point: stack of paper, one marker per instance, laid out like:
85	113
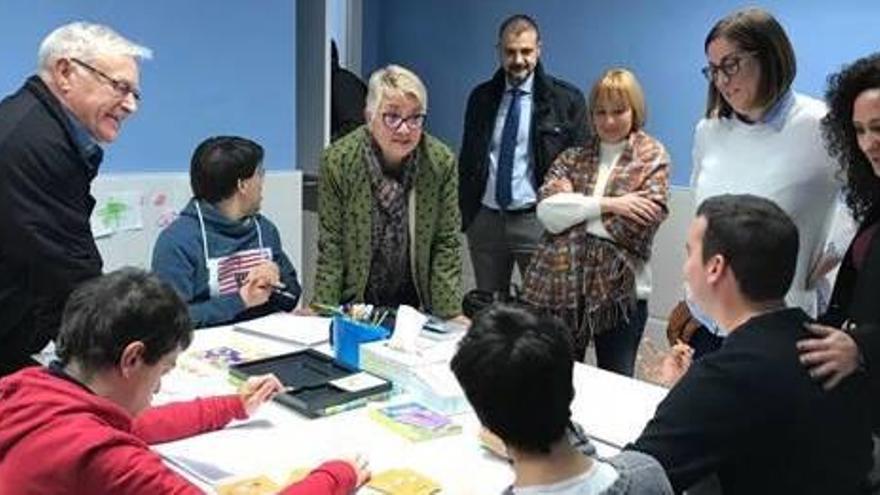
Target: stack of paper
425	375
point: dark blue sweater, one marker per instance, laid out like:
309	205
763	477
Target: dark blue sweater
179	259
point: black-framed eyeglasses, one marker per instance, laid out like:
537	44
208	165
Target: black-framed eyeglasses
394	120
121	88
729	66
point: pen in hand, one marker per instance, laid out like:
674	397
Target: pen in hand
279	289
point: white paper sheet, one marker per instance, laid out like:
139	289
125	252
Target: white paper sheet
304	330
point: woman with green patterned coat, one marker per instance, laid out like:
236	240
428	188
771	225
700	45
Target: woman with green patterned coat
388	207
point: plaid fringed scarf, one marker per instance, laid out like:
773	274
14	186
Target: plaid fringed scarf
589	281
389	233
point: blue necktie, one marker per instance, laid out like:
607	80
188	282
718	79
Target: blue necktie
504	178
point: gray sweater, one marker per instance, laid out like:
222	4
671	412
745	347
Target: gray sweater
639	474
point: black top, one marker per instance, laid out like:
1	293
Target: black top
856	299
751	413
559	121
46	243
348	96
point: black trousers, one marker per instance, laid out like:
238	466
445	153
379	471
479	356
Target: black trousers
616	349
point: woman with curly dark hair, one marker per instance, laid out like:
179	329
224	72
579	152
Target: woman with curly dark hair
849	336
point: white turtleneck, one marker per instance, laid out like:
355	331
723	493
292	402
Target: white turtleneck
565	210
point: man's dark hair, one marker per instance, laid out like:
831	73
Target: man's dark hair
518	23
757	239
218	163
107	313
515	366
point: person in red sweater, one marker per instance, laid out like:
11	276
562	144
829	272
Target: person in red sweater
84	424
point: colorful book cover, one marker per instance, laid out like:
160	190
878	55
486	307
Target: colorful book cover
415	421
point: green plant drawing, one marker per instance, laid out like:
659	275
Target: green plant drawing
112	212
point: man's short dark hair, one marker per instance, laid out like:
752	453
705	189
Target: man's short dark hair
518	23
106	314
218	163
515	366
757	239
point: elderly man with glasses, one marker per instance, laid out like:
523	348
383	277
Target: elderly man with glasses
388	207
51	131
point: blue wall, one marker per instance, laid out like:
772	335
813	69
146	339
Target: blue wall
450	43
219	67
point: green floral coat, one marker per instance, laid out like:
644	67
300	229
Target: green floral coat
345	217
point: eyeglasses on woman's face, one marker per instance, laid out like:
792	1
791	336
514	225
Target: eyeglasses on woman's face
730	66
394	121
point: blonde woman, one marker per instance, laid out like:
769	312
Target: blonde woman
388	207
601	205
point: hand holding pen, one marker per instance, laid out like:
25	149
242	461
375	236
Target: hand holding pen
259	284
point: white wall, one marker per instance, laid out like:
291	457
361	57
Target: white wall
669	254
162	193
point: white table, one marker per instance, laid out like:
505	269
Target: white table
613	410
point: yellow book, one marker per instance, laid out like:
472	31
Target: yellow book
403	482
259	485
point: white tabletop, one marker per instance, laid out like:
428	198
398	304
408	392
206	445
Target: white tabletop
613	409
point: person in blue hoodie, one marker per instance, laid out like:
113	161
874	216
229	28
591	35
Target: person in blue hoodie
221	255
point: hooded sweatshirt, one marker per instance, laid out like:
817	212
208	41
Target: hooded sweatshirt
179	258
57	437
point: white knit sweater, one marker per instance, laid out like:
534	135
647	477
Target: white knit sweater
787	164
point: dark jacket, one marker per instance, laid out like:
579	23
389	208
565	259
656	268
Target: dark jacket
751	413
46	243
855	299
855	293
348	96
559	121
179	259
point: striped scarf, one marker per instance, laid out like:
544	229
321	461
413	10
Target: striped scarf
586	280
390	267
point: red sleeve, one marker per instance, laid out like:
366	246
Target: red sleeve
185	419
330	478
120	467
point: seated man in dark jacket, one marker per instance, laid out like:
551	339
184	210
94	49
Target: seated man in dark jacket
221	255
750	412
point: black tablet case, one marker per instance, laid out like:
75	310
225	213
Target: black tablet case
310	372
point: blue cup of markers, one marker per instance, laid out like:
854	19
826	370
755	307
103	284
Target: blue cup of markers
347	336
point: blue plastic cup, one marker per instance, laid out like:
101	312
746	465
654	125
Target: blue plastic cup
349	334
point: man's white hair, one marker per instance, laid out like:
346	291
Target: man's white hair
394	80
87	42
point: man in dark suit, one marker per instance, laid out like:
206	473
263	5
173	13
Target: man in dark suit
750	412
515	125
50	135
